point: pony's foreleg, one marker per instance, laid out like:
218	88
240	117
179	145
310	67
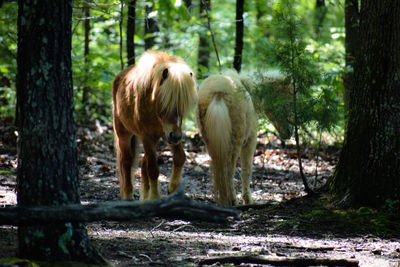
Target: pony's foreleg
177	168
150	171
246	157
125	162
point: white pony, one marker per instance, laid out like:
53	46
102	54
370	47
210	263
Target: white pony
228	124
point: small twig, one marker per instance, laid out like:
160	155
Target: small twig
147	257
183	226
258	206
156	227
123	253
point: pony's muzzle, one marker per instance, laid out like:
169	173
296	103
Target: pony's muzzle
174	138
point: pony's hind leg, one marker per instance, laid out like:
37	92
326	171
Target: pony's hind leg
177	168
246	158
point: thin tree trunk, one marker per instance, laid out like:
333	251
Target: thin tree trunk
47	159
86	88
237	60
121	22
130	32
150	27
320	14
204	46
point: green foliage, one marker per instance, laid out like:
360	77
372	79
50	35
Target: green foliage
315	77
266	27
8	57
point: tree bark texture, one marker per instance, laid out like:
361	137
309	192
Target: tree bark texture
369	166
237	60
204	43
130	32
47	153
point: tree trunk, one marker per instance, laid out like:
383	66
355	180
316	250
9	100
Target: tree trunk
369	166
204	44
47	159
150	27
130	32
237	60
86	88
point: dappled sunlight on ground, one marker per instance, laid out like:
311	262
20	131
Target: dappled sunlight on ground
276	228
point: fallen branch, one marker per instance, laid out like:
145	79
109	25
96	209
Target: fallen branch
277	261
177	206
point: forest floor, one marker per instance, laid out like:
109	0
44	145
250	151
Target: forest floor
287	226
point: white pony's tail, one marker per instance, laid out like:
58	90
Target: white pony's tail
219	129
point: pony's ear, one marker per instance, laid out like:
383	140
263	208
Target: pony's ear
164	76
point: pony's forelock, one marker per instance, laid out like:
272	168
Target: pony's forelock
177	93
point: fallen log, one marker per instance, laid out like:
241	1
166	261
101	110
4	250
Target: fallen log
277	261
177	206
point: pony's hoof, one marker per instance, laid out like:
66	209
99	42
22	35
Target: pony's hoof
125	196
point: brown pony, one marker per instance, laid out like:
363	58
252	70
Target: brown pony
150	101
228	125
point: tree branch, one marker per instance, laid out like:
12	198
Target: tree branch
176	206
277	261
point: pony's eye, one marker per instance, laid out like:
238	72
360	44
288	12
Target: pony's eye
191	74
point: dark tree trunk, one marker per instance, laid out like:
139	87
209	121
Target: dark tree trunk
86	88
259	4
369	166
204	44
237	60
320	13
47	159
150	27
352	43
188	4
130	32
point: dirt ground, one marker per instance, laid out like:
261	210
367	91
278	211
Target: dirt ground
282	228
